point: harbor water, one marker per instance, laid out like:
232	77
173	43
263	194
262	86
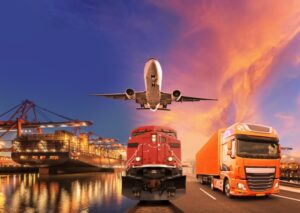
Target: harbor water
90	192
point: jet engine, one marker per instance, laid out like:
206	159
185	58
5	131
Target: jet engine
130	93
176	95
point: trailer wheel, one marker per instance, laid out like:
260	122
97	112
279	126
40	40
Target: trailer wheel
201	180
212	184
227	188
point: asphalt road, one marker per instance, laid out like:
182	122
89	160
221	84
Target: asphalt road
200	198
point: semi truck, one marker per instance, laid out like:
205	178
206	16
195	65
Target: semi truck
241	160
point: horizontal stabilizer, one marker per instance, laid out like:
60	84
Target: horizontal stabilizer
163	109
143	108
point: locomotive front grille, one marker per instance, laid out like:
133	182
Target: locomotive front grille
259	181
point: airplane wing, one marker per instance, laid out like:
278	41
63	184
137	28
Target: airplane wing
190	99
139	96
118	96
167	98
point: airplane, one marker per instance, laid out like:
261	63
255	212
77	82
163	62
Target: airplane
153	98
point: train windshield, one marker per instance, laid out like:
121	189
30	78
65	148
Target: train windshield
141	132
168	132
134	134
258	149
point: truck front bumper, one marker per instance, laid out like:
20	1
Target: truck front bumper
239	187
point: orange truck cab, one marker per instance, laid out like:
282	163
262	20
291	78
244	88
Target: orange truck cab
242	160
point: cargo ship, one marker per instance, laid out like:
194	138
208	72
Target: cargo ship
62	148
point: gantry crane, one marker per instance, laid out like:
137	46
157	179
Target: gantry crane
26	116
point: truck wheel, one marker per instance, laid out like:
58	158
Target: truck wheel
201	180
227	188
212	183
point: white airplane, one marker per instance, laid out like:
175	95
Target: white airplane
153	98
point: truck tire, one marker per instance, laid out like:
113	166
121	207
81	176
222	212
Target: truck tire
227	188
201	180
212	184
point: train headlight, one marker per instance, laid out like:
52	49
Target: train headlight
241	186
170	159
138	159
153	137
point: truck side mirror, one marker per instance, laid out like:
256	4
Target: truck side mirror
229	145
229	152
229	148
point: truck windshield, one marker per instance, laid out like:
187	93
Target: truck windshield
261	149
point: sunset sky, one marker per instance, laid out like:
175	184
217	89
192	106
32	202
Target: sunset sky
245	53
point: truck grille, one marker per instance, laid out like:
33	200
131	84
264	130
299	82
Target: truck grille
260	181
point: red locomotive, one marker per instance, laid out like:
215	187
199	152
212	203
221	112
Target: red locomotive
153	170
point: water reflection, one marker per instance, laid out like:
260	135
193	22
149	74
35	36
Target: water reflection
97	192
155	207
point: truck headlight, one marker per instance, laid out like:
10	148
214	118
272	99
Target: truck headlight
138	159
276	185
241	186
170	159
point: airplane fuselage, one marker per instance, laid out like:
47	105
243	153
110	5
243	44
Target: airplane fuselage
153	80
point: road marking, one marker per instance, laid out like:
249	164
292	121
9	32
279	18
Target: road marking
290	189
208	194
289	198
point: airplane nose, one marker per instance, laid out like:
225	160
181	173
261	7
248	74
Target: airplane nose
152	62
153	65
152	59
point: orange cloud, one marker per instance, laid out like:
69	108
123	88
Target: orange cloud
224	49
287	121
